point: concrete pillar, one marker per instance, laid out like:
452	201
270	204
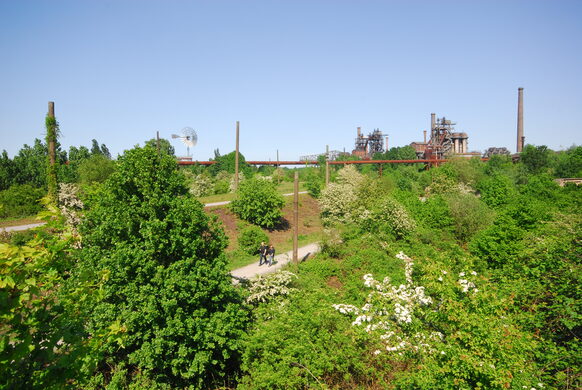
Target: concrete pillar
519	119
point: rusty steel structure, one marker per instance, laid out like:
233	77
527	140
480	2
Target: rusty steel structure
366	146
444	140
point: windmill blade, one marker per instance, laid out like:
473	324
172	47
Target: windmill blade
189	136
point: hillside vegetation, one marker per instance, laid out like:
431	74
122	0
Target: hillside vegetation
465	276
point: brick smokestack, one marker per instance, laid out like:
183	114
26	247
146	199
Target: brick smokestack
520	137
424	131
359	132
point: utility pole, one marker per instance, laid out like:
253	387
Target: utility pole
326	165
158	142
51	140
236	159
296	217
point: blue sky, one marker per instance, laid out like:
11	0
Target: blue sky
298	75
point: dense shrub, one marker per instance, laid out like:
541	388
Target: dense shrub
95	169
258	202
338	203
199	184
469	215
20	200
496	190
168	304
388	216
250	238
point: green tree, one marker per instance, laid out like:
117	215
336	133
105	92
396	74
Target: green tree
95	169
258	202
168	299
535	158
7	171
570	163
30	164
227	163
20	200
165	146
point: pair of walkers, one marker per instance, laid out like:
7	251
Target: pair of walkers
267	254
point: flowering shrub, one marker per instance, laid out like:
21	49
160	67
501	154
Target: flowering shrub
331	243
266	287
337	203
199	185
349	175
70	204
241	177
390	310
389	216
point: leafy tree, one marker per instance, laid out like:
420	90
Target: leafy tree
105	151
168	303
496	190
258	202
20	200
165	146
30	164
95	169
570	163
95	149
227	163
535	158
7	171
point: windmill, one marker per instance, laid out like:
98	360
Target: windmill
188	137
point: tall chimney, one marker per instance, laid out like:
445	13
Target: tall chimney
386	143
432	124
520	137
424	131
359	132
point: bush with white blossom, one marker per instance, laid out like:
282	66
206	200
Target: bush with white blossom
265	288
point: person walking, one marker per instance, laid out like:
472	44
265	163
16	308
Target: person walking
263	253
271	254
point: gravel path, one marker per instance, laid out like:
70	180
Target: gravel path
281	260
21	227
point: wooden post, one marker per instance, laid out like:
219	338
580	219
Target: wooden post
51	141
296	218
326	165
158	142
236	159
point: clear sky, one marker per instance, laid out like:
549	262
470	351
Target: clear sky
298	75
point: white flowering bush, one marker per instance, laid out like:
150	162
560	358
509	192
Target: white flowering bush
391	310
350	176
199	185
241	177
265	288
70	204
337	203
390	216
